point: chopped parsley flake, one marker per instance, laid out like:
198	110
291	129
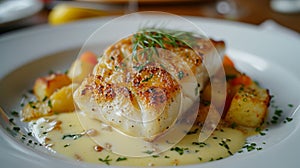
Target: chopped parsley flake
17	129
287	119
148	78
32	105
252	146
201	144
148	152
15	113
45	98
11	120
262	133
66	145
278	112
192	132
121	159
49	103
180	75
179	150
106	160
73	136
226	146
258	129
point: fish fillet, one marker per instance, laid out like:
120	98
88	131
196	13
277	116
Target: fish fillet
144	99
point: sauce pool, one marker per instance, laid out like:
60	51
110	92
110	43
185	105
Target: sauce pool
64	134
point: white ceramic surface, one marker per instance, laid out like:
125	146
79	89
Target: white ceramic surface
13	10
270	57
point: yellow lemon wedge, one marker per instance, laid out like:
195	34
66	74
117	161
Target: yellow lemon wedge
64	13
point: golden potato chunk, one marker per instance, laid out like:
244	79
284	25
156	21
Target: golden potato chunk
79	70
249	106
62	99
45	86
59	102
34	110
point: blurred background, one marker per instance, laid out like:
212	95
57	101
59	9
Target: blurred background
19	14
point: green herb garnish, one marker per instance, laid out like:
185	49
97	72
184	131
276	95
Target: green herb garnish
45	98
148	78
179	150
32	104
201	144
252	146
14	113
49	103
17	129
66	145
192	132
287	119
148	152
121	159
148	39
106	160
72	136
180	75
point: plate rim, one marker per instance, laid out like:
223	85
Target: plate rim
47	28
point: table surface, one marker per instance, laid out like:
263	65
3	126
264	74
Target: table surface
248	11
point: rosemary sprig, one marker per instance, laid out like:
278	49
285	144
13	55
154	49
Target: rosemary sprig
148	39
154	37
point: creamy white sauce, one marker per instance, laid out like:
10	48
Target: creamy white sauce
57	133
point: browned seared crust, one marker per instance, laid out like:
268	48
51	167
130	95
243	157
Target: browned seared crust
149	87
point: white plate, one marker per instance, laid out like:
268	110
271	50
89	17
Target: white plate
13	10
272	58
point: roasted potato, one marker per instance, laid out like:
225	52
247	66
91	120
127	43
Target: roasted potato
249	106
62	99
45	86
82	67
34	110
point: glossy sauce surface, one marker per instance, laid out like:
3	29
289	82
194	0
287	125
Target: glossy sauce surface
64	134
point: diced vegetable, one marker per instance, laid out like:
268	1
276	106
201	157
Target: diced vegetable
249	106
82	67
34	110
227	61
62	99
45	86
59	102
89	57
241	80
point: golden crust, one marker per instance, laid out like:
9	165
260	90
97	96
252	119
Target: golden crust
153	89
